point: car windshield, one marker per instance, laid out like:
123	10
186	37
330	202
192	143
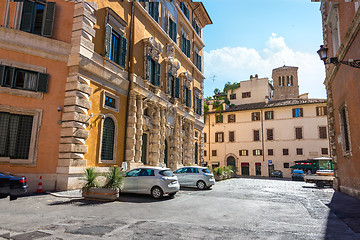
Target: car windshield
206	170
166	173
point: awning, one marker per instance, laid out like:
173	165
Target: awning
244	164
257	164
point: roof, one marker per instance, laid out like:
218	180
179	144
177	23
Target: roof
203	14
284	67
273	104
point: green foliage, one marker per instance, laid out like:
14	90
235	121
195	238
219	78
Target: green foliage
217	91
231	86
206	110
114	177
223	171
90	176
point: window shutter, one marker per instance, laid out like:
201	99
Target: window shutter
2	75
108	32
325	110
184	94
293	112
195	104
200	106
170	27
177	87
148	62
182	43
301	112
189	100
158	74
174	32
188	48
156	12
42	82
317	111
11	72
216	137
123	50
28	16
48	20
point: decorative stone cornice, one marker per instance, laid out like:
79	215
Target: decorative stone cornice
152	48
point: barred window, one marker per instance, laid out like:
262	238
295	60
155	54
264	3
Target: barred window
285	151
298	133
299	151
270	152
322	133
256	135
17	129
324	151
270	134
108	140
231	136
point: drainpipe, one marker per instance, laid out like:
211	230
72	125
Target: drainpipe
130	71
262	135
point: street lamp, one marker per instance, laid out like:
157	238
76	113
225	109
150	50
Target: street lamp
334	60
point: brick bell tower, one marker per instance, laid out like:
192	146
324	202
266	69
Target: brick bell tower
285	80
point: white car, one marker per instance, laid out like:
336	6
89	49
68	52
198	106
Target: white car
199	177
156	181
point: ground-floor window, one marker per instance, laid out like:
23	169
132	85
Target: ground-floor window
196	153
245	169
258	169
15	135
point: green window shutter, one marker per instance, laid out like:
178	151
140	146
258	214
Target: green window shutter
188	48
183	43
200	106
108	32
156	13
148	62
174	33
107	148
199	63
184	94
169	87
2	75
158	74
48	20
43	80
189	98
123	50
4	128
177	87
28	16
195	104
170	27
11	76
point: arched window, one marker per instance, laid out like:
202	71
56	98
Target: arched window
291	81
108	137
288	80
230	161
279	81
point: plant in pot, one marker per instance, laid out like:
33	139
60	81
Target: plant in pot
109	191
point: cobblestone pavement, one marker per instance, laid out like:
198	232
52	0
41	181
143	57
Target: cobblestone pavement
241	208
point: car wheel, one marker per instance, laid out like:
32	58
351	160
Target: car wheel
172	194
156	192
201	185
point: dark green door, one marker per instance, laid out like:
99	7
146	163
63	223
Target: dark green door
144	148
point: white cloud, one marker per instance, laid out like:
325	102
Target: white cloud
237	64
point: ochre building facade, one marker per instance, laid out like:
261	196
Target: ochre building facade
341	26
99	83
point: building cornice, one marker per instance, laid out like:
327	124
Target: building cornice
32	44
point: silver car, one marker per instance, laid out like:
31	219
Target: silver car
199	177
156	181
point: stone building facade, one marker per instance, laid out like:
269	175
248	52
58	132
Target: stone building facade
258	137
341	26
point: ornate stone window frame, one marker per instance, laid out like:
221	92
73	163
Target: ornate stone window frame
171	66
341	137
334	26
117	101
185	80
153	49
115	138
37	117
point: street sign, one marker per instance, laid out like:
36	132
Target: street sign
270	162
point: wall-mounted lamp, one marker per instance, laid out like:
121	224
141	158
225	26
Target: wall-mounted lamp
323	56
102	115
59	109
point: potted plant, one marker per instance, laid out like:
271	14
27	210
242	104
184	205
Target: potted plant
109	191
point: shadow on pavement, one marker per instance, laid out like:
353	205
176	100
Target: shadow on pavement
348	210
193	189
140	198
78	202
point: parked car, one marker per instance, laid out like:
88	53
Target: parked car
155	181
12	185
277	173
297	175
199	177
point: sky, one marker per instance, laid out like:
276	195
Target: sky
250	37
